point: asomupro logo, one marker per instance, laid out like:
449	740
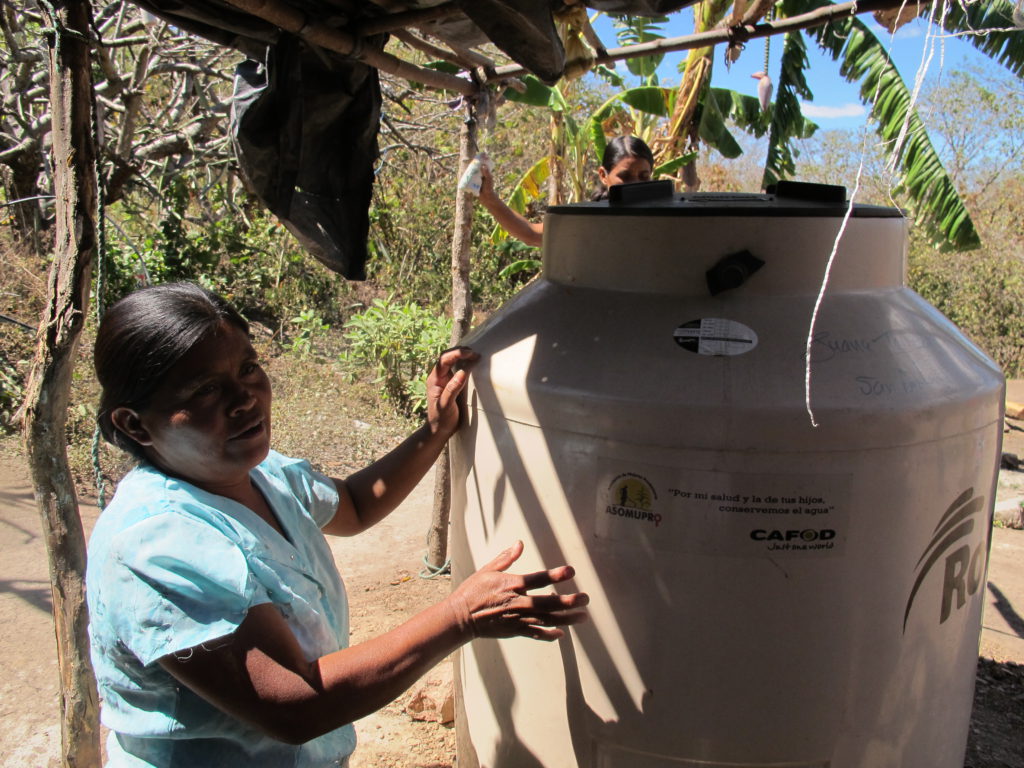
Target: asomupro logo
962	567
632	496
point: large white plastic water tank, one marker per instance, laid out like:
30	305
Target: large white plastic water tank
765	592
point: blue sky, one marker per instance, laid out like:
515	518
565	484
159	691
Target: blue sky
836	102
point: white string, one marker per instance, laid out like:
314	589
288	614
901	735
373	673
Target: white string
835	246
927	53
932	35
821	296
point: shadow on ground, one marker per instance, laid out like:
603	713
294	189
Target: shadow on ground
997	722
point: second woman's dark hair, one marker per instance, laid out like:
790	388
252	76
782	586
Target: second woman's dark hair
617	150
142	337
621	147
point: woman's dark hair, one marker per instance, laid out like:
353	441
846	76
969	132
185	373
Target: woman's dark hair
621	147
617	150
142	337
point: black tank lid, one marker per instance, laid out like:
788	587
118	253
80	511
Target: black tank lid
787	198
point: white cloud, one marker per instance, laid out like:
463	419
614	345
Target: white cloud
822	112
909	31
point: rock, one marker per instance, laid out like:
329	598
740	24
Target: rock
432	699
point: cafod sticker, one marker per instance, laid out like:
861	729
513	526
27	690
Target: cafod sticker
715	336
735	514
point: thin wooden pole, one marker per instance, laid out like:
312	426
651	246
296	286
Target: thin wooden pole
462	300
462	318
48	391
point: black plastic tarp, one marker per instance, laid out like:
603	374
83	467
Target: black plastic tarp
305	131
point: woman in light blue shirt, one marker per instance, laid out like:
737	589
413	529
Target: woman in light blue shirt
218	621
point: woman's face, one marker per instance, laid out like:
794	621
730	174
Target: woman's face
627	171
209	422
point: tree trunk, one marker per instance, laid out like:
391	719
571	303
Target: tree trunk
462	317
74	164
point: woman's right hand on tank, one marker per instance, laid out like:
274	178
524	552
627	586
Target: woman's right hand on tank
493	603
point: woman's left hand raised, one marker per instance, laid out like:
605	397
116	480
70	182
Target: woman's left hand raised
445	382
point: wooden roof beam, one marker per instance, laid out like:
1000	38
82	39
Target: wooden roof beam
296	22
405	19
430	49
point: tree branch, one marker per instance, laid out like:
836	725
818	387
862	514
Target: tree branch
739	34
432	50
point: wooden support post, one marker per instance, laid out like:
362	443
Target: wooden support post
48	391
462	318
462	299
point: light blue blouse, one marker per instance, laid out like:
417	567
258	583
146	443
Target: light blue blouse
171	567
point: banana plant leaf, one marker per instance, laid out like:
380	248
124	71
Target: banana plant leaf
523	265
742	109
537	95
714	131
863	58
669	168
652	99
787	120
631	30
990	29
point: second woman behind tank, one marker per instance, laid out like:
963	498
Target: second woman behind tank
626	160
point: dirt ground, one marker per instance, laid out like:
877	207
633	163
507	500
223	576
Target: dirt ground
381	570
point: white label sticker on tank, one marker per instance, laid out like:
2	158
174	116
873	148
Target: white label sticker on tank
720	513
715	336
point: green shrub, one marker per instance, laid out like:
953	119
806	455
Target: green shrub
309	326
245	256
982	293
400	342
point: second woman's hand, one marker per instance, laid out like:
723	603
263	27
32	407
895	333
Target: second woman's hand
493	603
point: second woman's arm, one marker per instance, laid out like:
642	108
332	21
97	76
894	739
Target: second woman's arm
517	225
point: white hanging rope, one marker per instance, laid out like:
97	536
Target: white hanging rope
821	296
927	54
809	341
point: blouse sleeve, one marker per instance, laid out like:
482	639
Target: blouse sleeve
174	582
316	491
